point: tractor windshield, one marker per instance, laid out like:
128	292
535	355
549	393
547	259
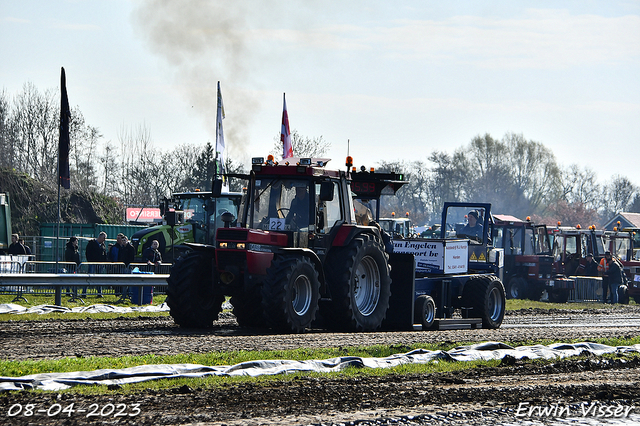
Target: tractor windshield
280	205
193	209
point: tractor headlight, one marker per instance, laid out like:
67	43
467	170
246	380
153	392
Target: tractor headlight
222	245
240	246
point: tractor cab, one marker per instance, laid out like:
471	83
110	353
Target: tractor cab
397	227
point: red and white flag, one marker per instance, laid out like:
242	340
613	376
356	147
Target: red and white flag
285	134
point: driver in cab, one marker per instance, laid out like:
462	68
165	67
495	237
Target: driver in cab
298	215
473	229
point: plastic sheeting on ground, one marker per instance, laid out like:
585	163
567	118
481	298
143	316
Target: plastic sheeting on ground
481	351
11	308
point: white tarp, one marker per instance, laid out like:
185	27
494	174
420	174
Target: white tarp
484	351
11	308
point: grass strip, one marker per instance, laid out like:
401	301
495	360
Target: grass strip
21	368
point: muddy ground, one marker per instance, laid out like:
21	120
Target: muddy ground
477	396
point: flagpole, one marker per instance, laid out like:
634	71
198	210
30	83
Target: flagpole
64	178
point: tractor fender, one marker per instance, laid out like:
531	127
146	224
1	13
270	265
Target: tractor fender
313	257
200	247
348	232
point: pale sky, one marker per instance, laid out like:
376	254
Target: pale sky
398	79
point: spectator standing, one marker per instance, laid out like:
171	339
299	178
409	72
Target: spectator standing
152	254
27	249
615	276
96	251
603	269
588	267
16	248
114	250
71	253
127	252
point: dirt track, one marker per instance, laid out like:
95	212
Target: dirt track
479	396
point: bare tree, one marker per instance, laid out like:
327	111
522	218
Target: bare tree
303	146
617	195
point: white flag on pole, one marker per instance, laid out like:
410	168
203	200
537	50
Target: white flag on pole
220	167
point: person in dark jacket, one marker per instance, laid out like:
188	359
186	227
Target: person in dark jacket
615	276
71	253
127	252
96	251
16	248
588	267
152	254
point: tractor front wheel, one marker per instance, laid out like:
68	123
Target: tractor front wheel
517	287
290	294
190	292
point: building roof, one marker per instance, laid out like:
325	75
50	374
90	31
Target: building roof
627	220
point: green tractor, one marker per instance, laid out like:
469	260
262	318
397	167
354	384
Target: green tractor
188	217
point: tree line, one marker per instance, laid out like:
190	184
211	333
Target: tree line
517	176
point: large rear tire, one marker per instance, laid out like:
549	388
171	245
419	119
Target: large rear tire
290	294
486	297
360	285
190	293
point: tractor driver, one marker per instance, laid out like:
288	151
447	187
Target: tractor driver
298	214
473	229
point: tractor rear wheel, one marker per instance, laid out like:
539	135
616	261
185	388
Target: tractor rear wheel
425	311
190	292
360	285
486	297
290	294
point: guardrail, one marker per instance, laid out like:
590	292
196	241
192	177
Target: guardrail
117	284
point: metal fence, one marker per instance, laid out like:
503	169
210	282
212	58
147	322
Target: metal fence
24	265
588	289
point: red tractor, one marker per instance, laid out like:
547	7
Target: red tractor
528	261
571	245
297	219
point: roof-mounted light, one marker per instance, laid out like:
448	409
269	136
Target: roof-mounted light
257	160
305	161
349	162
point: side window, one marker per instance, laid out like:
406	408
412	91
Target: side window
332	208
529	242
557	247
497	238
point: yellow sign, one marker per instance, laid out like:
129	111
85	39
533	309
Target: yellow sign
473	257
482	258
